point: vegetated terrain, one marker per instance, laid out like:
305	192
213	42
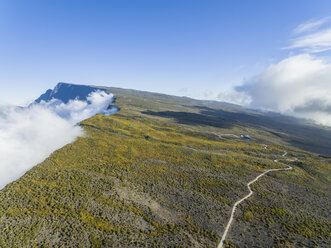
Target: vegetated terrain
159	173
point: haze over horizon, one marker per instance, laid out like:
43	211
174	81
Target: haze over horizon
270	56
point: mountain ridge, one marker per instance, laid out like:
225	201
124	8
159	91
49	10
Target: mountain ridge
66	92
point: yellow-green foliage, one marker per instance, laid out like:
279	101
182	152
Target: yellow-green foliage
139	182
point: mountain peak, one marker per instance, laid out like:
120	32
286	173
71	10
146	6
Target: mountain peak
66	92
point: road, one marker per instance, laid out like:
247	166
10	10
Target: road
220	245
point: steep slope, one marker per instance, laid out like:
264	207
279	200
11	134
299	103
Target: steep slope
66	92
141	179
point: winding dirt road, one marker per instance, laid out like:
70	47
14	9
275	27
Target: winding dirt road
220	245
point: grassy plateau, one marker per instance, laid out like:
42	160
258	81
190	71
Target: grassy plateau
165	171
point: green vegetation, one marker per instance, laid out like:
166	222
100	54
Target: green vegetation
293	208
142	180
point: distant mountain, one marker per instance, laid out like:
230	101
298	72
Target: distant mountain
66	92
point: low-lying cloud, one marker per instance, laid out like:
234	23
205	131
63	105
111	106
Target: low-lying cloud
299	85
29	135
75	111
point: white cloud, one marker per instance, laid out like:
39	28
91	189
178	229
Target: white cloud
312	36
235	97
315	42
29	135
299	85
310	25
76	111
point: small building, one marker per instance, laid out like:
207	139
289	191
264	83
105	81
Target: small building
245	137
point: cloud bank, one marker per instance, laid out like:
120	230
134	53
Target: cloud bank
298	85
29	135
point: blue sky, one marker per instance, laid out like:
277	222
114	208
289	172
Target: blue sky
183	47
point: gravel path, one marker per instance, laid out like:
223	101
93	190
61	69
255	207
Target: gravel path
220	245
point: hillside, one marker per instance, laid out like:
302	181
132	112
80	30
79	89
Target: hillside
226	118
165	171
